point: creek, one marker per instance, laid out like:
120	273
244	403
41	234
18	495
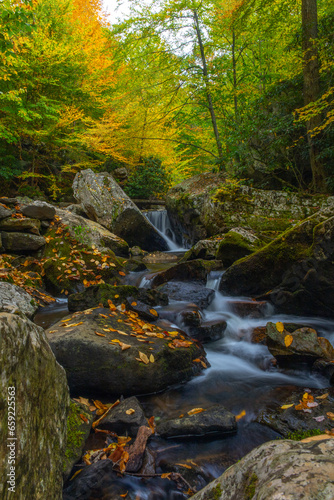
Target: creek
242	377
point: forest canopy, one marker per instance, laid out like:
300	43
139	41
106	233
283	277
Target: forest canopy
177	88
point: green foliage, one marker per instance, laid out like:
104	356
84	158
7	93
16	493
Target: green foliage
148	179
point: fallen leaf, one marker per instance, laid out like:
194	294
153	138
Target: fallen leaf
154	312
100	334
124	347
143	358
184	465
166	475
121	273
324	396
130	411
116	296
240	416
319	419
83	418
133	304
194	411
152	358
330	415
316	438
285	407
74	475
288	339
279	326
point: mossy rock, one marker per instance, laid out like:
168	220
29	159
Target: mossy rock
78	429
235	245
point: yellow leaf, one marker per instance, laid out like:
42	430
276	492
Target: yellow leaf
280	326
330	415
194	411
100	334
116	296
143	358
324	396
285	407
74	475
288	339
240	416
133	304
115	340
124	346
152	358
130	411
154	312
184	465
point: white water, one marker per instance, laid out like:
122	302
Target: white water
160	220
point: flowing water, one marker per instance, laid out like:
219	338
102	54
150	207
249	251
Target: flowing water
160	220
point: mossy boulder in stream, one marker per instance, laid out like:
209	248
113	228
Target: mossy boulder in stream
105	202
113	352
33	387
193	270
295	272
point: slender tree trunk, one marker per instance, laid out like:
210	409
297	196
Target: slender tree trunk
234	66
311	86
207	89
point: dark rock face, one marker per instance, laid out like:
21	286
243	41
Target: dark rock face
22	242
208	331
306	347
39	210
126	418
194	270
295	272
41	401
190	292
105	202
109	362
100	294
302	471
213	421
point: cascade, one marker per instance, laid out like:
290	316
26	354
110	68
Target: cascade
160	220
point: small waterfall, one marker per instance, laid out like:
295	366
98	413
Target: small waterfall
213	280
160	220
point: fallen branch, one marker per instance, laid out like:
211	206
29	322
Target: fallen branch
97	422
137	450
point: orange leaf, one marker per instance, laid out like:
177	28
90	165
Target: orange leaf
288	339
154	312
100	334
194	411
83	418
280	326
121	273
240	416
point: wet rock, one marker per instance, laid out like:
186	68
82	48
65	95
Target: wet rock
306	346
99	363
26	225
105	202
194	270
302	471
4	212
249	308
236	244
211	422
41	400
79	423
39	210
123	423
185	291
14	299
324	368
290	420
21	242
100	294
203	249
259	335
143	310
91	233
134	265
208	331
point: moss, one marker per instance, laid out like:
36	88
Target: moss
251	487
75	434
299	435
214	494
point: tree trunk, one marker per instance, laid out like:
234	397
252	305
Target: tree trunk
234	64
207	89
311	86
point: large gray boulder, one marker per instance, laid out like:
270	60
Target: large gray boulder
208	204
21	242
39	210
278	470
33	380
14	299
105	202
91	233
111	353
24	225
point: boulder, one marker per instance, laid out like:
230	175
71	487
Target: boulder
207	331
111	352
105	202
126	418
305	347
211	422
295	272
21	242
4	212
203	249
14	299
25	225
35	385
248	308
236	244
284	469
194	270
39	210
90	233
100	294
188	291
207	204
290	422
